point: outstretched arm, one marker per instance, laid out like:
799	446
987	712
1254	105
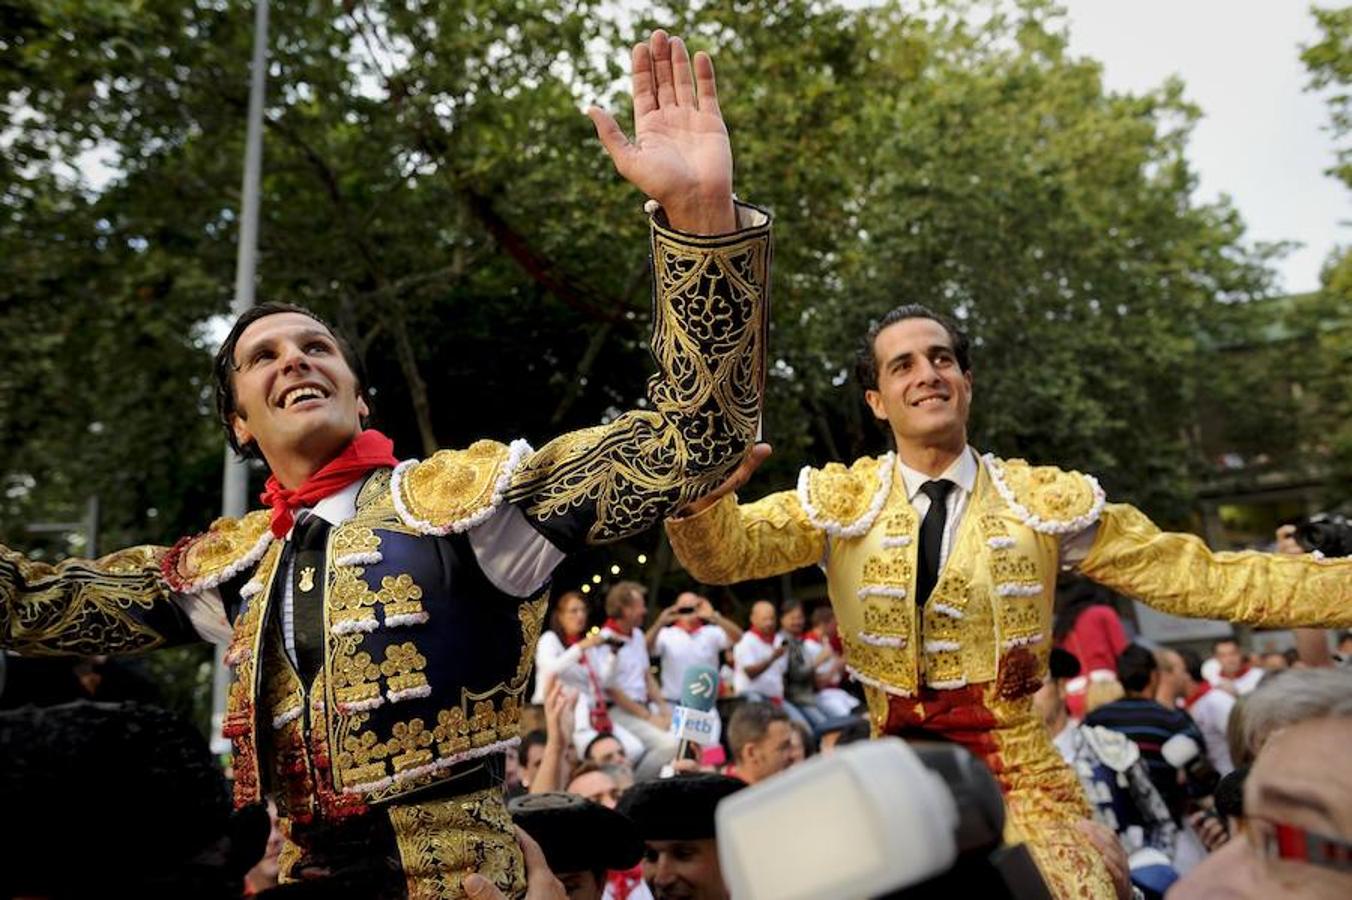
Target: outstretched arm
710	323
1178	574
117	604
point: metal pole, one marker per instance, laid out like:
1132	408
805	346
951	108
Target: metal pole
235	479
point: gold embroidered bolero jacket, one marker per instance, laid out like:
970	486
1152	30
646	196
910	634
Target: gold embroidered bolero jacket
989	616
404	598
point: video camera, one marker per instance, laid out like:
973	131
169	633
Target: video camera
1329	534
879	819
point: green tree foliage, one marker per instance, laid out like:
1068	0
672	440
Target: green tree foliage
431	184
1327	319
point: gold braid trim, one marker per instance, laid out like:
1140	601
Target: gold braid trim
711	298
220	553
442	841
454	490
116	604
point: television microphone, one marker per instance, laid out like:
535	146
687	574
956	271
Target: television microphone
694	719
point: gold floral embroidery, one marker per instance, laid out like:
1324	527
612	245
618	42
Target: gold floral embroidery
709	343
400	596
440	841
453	485
408	745
532	616
452	732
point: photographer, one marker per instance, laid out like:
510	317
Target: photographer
688	633
1329	536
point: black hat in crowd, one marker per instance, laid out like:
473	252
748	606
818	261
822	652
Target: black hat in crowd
679	808
577	835
1063	664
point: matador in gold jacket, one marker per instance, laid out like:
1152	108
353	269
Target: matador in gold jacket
381	619
959	650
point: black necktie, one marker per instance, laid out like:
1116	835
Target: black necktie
307	594
931	537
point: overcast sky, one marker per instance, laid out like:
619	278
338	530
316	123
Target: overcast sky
1262	139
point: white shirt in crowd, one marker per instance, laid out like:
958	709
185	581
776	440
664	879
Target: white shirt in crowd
680	649
630	667
552	660
1242	685
752	650
1211	712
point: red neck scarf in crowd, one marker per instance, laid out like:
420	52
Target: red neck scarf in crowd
571	639
369	450
1198	693
767	636
690	626
615	626
624	882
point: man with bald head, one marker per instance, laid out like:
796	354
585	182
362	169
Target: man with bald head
759	657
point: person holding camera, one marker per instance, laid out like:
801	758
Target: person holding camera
688	633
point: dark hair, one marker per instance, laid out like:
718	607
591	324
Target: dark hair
1192	661
822	614
563	598
224	367
1135	665
1063	665
600	736
750	723
1074	595
790	605
1216	645
536	738
866	360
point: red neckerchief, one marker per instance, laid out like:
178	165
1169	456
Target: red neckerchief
615	626
768	638
623	881
1243	670
692	626
1198	692
569	641
368	450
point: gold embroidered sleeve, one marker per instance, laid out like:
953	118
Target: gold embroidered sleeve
710	314
727	543
1178	574
117	604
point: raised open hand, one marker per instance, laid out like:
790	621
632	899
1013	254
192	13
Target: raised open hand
680	155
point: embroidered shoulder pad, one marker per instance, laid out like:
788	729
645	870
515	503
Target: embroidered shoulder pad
455	490
220	553
1047	499
844	502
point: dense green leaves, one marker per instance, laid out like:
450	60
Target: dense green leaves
432	185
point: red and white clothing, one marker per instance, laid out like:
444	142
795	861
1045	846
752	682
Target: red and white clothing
1241	684
680	648
1210	709
754	649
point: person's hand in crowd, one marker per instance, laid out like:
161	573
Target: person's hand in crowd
1114	856
669	614
592	639
560	702
780	650
1209	828
1286	540
705	610
541	883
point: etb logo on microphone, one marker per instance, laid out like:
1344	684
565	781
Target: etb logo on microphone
694	725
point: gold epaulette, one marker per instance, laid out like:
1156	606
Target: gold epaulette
844	502
1047	499
455	490
220	553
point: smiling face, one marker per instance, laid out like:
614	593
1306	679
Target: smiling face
922	392
295	395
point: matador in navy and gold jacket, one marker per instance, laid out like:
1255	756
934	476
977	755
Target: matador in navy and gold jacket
966	664
436	576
